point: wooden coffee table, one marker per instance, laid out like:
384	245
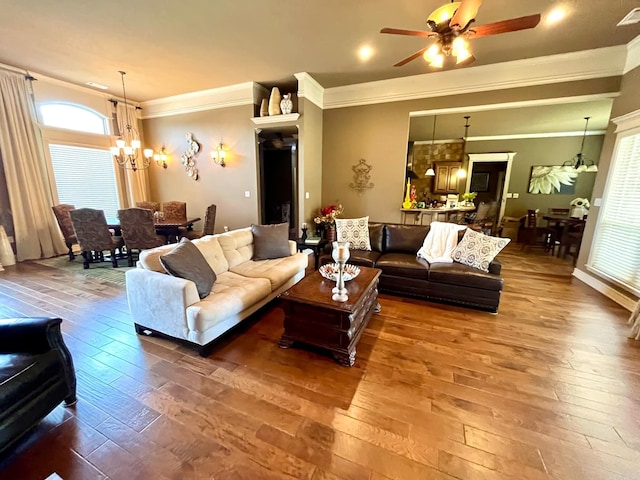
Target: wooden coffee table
312	317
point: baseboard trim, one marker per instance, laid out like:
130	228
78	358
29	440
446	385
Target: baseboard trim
598	285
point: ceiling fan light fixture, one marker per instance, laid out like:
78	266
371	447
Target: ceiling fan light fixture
433	56
442	14
460	49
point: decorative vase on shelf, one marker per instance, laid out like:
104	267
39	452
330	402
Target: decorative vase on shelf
407	198
330	234
264	108
274	101
286	104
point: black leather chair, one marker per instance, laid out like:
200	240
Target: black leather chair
36	374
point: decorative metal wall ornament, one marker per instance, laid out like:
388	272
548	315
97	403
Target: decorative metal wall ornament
361	177
188	159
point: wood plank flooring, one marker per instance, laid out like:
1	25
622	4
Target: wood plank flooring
549	388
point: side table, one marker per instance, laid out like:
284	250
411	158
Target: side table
316	247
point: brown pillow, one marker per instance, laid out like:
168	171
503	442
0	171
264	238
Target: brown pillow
270	241
186	261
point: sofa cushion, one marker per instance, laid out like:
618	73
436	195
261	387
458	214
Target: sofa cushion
231	294
404	238
376	236
355	231
277	270
403	265
459	274
23	374
478	250
186	261
237	246
364	258
211	250
270	241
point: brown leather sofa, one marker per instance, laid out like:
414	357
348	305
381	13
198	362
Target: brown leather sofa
393	250
36	375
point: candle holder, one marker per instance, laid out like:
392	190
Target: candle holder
340	255
304	233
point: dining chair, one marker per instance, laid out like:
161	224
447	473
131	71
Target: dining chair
571	237
533	235
66	227
174	209
94	236
153	206
138	231
207	228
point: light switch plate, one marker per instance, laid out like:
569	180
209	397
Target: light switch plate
306	195
597	202
516	195
247	193
509	195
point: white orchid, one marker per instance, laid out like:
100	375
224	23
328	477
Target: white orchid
580	202
544	179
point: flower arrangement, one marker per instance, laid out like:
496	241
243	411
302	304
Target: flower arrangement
328	215
580	202
469	196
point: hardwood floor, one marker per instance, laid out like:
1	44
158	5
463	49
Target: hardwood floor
549	388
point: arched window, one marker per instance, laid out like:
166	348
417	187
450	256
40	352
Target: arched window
73	117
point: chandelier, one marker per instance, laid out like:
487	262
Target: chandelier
580	163
127	148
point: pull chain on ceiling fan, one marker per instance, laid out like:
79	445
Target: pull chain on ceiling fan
450	26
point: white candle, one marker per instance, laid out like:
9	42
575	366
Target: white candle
304	225
343	253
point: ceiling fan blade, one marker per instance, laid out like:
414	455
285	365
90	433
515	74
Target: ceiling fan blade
411	57
505	26
411	33
465	13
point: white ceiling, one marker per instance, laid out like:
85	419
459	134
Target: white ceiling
169	47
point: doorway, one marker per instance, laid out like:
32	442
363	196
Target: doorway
278	167
489	175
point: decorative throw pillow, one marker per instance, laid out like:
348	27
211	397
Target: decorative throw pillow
478	250
355	231
270	241
186	261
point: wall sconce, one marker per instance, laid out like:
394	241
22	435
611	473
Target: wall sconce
218	155
161	158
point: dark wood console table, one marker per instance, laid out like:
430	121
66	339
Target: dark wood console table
312	317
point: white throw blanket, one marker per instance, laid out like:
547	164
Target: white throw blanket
440	242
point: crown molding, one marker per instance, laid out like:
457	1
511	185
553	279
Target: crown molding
231	96
566	67
633	55
310	89
627	122
515	136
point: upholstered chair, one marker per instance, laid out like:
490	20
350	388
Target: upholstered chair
138	230
174	209
66	227
94	236
207	229
153	206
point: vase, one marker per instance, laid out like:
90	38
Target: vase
286	104
274	101
407	198
330	234
264	108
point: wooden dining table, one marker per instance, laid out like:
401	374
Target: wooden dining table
560	223
168	227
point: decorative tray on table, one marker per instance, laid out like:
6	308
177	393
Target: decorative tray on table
330	272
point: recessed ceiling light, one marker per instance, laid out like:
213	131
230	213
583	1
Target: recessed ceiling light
556	15
97	85
365	53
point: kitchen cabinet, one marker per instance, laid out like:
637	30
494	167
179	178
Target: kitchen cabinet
446	180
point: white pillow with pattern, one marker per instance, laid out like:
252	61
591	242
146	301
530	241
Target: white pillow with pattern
478	250
355	231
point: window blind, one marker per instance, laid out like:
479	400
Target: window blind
616	248
85	177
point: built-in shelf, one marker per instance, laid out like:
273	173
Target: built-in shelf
276	119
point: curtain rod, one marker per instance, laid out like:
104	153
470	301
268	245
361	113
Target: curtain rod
9	68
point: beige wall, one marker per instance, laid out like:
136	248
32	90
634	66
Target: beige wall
310	165
541	151
379	133
627	102
223	186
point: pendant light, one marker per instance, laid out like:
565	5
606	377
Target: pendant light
430	172
581	164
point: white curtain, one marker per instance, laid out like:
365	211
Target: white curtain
136	183
35	228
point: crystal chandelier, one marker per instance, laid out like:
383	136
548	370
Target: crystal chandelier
127	148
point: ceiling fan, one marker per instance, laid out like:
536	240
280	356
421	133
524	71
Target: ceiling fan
450	26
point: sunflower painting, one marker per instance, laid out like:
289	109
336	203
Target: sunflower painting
547	179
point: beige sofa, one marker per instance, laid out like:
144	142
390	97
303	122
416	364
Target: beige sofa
161	303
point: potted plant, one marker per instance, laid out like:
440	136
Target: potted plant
468	198
579	207
326	221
